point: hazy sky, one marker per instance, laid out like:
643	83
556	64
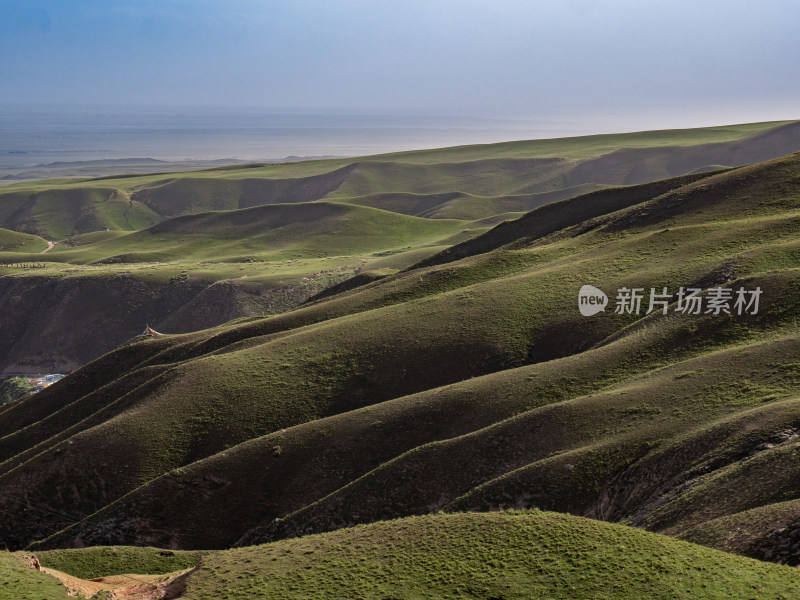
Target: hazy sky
660	61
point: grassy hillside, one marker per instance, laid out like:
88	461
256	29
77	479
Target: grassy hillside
64	208
499	555
20	242
59	212
20	582
399	435
498	172
91	563
465	383
196	249
96	291
596	145
487	556
268	233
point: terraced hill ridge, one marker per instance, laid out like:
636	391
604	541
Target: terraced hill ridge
185	251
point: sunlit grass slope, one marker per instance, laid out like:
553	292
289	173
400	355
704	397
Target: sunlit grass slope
516	555
473	384
260	239
268	233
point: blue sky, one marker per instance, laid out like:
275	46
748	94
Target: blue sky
701	61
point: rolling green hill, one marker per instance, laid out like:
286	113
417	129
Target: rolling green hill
512	555
196	271
379	429
268	233
58	212
20	242
59	209
465	382
184	251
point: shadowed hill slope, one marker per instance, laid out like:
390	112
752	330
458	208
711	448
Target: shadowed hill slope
557	215
184	243
124	287
187	195
474	384
311	229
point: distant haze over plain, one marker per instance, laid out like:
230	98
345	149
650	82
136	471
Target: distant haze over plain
413	73
35	137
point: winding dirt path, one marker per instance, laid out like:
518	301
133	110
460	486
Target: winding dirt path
125	587
49	247
168	586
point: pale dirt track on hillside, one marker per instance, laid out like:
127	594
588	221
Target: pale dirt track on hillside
122	587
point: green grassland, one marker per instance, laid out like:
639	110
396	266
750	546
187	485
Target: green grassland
90	563
407	182
20	582
455	375
472	384
249	240
518	554
13	241
499	555
196	271
269	233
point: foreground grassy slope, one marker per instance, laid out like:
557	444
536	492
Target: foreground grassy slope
499	555
420	392
91	563
18	581
488	556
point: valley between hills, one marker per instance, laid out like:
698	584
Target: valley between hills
375	382
85	264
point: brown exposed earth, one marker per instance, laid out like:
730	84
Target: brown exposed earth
120	587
